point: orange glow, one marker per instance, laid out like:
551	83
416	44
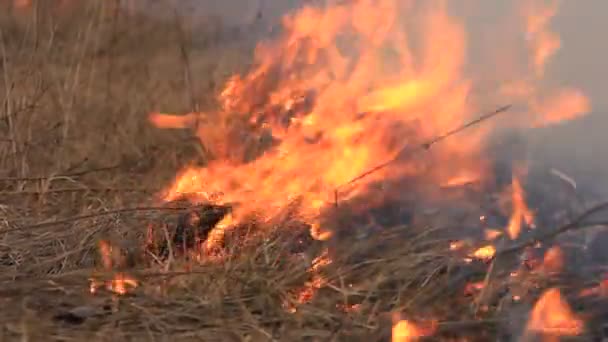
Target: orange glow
461	180
472	288
363	110
492	234
121	283
484	253
520	212
600	290
334	108
552	315
307	293
457	245
553	260
105	251
406	331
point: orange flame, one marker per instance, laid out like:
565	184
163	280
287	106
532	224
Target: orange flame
361	113
552	315
492	234
121	283
484	253
318	281
406	331
520	213
343	89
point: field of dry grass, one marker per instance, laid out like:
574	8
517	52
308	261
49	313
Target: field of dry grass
80	163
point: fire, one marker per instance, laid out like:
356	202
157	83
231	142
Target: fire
484	253
492	234
319	109
406	331
521	212
552	315
306	294
599	290
553	260
334	115
121	282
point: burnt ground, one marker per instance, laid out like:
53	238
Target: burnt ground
79	163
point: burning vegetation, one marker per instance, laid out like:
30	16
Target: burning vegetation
343	186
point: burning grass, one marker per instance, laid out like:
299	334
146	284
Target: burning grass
253	241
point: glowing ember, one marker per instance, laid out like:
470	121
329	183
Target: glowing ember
492	234
552	315
406	331
306	294
457	245
485	253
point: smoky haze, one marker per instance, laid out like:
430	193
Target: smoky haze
574	147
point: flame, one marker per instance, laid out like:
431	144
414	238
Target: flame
344	89
521	211
457	245
333	115
406	331
599	290
484	253
492	234
121	282
318	281
552	315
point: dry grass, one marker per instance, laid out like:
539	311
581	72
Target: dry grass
75	141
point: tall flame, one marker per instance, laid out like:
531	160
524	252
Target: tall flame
346	87
521	212
371	97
